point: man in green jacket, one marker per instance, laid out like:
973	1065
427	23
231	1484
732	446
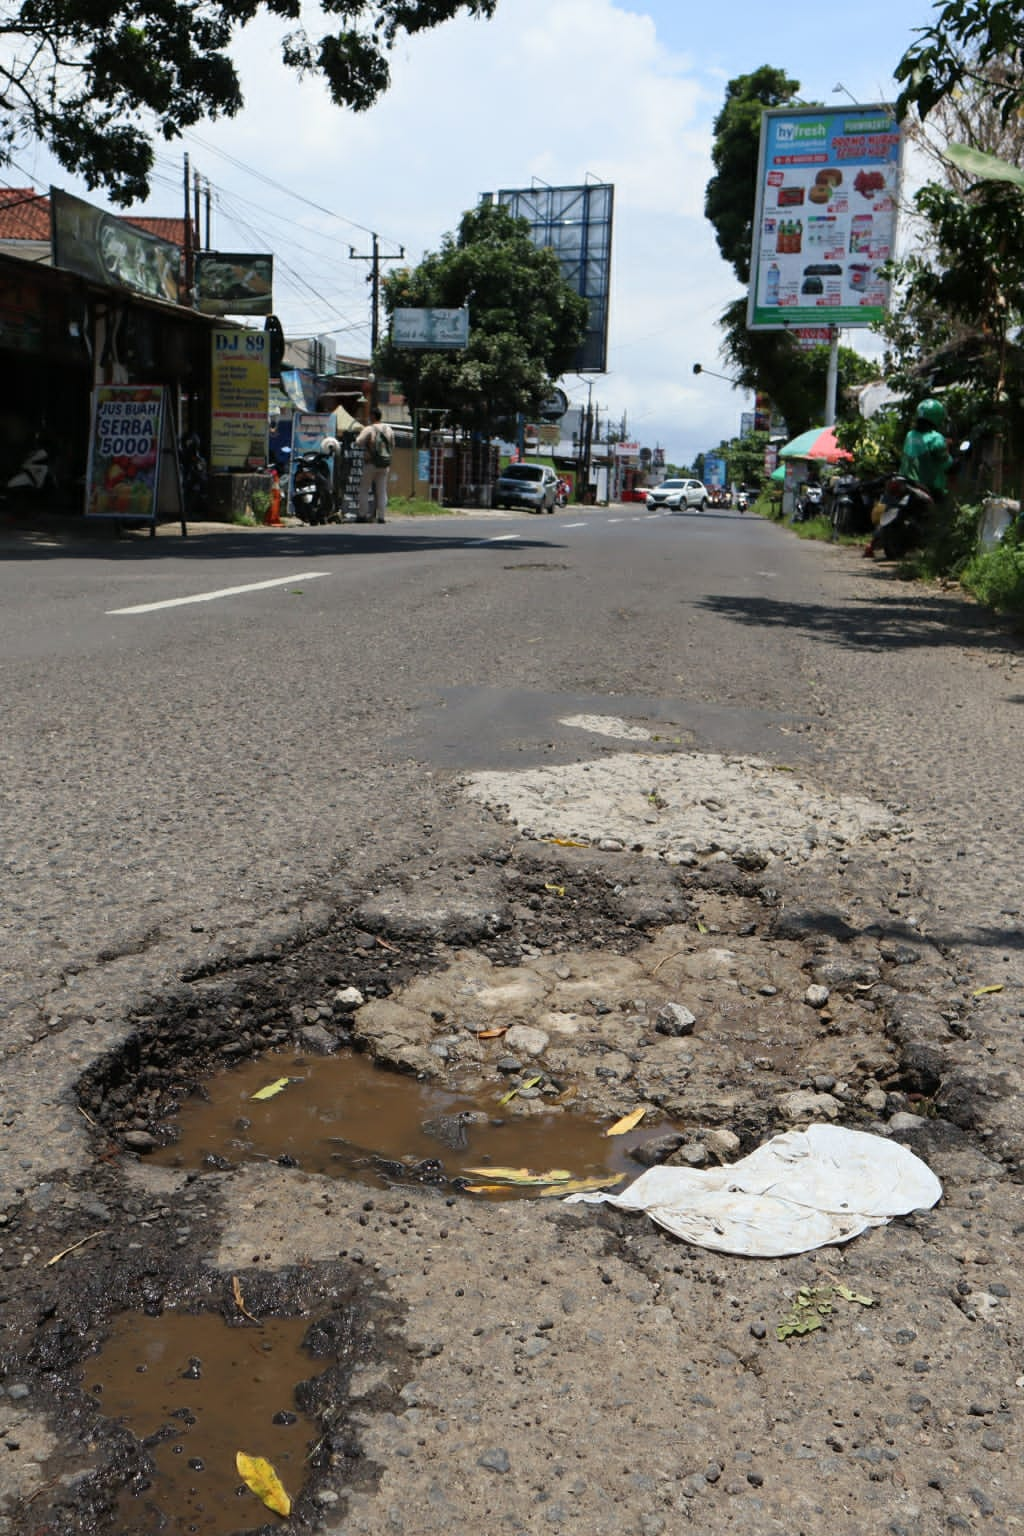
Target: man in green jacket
926	458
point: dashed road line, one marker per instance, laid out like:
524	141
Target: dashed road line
574	525
210	597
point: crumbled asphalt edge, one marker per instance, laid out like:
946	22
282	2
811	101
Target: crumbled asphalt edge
68	1321
251	1004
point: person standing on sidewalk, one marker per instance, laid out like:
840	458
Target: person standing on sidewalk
377	440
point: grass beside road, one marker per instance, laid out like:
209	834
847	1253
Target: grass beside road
416	506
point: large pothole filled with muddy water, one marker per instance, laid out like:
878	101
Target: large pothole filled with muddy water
478	1048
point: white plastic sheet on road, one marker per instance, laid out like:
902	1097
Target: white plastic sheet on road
801	1190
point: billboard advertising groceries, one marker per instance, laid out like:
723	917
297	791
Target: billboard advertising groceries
825	216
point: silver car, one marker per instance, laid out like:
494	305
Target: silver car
678	496
532	486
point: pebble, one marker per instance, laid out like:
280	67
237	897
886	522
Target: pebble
140	1141
346	999
674	1020
496	1460
992	1440
526	1040
816	996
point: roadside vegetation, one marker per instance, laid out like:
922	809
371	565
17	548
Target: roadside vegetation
955	329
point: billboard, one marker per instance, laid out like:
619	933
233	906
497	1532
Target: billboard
240	388
576	223
714	470
825	216
108	250
234	284
430	330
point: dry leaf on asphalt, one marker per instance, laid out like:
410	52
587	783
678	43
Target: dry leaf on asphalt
627	1123
257	1474
492	1034
272	1089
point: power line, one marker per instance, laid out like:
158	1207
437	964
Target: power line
277	185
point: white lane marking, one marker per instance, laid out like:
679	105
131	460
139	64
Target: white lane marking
574	525
498	538
209	597
615	520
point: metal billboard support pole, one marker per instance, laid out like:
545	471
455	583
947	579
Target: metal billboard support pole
832	380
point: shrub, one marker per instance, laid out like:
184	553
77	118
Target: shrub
996	576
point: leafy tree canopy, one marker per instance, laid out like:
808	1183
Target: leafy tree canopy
969	42
525	322
78	75
729	195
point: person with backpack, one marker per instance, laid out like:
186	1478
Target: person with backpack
377	440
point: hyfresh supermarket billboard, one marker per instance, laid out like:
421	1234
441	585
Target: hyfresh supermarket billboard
825	219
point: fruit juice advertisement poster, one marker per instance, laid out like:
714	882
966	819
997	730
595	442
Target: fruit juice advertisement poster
124	453
825	219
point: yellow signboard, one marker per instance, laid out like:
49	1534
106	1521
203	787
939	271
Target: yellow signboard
240	398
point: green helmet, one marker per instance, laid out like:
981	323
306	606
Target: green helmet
932	411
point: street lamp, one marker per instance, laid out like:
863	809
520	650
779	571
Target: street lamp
699	368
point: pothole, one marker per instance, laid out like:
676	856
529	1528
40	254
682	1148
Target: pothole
347	1118
194	1392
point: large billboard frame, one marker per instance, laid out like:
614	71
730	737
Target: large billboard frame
829	155
105	249
576	223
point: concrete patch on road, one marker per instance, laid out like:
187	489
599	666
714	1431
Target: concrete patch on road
608	725
685	808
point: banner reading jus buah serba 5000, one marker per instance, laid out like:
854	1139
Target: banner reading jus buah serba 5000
825	220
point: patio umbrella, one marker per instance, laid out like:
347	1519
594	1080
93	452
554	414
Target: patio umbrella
817	443
778	474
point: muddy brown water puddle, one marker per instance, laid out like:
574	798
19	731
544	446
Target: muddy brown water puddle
343	1116
195	1391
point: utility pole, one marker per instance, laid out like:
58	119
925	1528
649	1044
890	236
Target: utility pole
375	259
195	202
188	236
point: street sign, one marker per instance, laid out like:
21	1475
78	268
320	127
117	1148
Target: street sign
555	406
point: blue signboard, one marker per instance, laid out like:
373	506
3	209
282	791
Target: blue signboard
714	470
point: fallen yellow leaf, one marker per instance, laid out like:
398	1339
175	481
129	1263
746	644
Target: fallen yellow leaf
627	1123
491	1034
272	1089
565	842
522	1175
559	890
984	991
259	1475
700	927
236	1291
531	1082
580	1186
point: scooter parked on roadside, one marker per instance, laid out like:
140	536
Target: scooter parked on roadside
313	497
809	502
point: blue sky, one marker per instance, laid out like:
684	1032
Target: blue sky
550	88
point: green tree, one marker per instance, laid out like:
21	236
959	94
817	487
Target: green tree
729	195
78	74
525	322
969	44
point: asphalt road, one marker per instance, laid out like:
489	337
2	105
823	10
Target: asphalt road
171	763
207	743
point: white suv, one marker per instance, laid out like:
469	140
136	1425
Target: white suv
678	495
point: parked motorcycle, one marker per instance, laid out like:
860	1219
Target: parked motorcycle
905	510
809	502
195	477
313	485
